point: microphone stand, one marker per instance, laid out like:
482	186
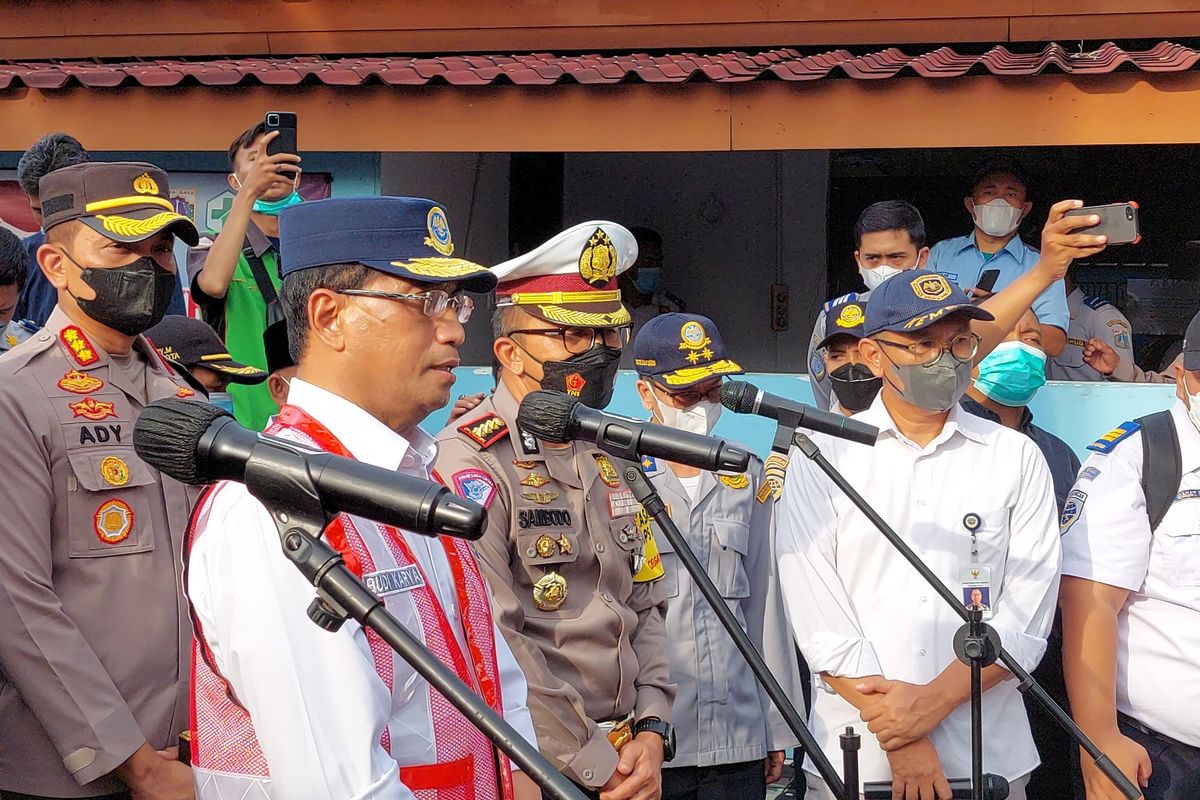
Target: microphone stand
645	493
976	643
290	496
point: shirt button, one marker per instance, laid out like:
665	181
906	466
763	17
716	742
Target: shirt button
921	503
608	597
599	547
924	599
921	652
588	774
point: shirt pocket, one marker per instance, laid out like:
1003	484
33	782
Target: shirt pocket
1181	556
109	498
727	557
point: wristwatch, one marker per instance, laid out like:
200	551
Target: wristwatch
663	729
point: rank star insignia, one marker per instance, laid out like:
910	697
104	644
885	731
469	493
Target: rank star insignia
534	480
114	471
545	546
72	336
735	481
608	473
113	521
564	545
693	357
550	592
78	382
485	431
541	498
93	409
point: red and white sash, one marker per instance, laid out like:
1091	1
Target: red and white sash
467	766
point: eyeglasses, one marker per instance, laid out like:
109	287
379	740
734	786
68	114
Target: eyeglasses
928	351
436	301
690	397
580	340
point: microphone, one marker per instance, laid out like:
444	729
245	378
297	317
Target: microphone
197	443
746	398
555	417
994	788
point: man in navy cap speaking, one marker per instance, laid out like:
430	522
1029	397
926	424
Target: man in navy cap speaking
375	305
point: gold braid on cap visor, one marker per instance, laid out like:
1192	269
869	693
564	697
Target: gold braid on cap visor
693	374
440	267
125	226
549	303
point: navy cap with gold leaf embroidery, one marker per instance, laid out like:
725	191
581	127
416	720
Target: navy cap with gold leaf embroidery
915	299
680	350
125	201
408	237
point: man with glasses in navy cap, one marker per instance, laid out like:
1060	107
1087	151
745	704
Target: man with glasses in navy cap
375	305
731	737
975	501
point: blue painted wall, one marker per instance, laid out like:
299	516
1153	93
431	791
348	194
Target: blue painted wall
1076	412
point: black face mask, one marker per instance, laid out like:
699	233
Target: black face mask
855	387
589	377
131	298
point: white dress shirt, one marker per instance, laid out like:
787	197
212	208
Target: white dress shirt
858	608
1107	539
318	705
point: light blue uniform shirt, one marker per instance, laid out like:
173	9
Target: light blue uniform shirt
960	260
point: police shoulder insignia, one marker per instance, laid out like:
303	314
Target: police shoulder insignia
184	391
1089	474
1071	510
474	485
649	464
486	431
775	469
1096	302
816	367
113	521
765	492
78	382
735	481
1108	441
79	346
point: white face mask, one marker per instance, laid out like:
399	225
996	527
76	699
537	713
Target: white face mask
873	277
997	218
1193	407
700	418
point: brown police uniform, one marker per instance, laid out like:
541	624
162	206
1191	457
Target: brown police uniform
94	636
562	521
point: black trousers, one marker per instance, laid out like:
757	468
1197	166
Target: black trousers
743	781
1175	766
1058	776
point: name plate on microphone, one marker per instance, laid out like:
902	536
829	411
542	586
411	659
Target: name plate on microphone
394	581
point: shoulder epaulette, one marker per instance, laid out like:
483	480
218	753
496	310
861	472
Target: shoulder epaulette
846	298
1108	441
485	431
1096	303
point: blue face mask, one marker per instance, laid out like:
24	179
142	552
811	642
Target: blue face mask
222	400
1012	374
648	279
272	207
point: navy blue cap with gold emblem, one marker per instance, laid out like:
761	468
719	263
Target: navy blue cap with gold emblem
844	319
680	350
915	299
408	237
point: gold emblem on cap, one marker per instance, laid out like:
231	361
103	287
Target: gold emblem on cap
114	471
851	315
550	592
931	288
545	546
598	261
693	337
439	231
144	184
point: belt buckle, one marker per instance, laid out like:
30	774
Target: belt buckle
619	732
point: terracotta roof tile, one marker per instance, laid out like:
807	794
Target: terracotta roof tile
542	69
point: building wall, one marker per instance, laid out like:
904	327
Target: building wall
732	225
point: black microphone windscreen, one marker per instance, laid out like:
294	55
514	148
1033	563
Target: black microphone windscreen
547	415
167	433
738	396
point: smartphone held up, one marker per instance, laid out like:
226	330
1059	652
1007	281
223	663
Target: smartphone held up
1118	221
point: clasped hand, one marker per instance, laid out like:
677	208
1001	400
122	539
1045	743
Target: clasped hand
900	713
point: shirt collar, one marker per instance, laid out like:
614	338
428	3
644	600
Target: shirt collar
1189	437
958	421
259	241
368	439
1016	246
974	407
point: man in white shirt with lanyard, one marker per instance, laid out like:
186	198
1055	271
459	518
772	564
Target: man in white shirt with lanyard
282	708
974	500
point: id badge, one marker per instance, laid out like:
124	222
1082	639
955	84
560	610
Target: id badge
976	583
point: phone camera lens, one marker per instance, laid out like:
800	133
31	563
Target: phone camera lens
272	119
1129	214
